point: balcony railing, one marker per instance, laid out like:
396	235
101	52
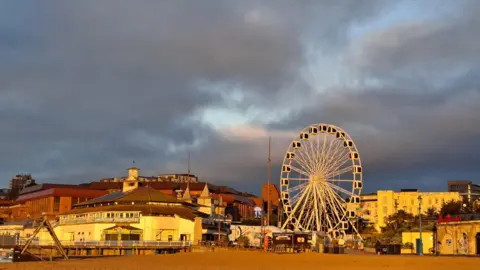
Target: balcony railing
99	220
127	243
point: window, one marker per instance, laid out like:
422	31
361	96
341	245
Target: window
385	210
436	201
56	204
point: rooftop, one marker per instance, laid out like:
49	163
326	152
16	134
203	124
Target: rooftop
47	190
141	195
183	212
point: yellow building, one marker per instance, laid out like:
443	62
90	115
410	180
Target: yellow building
427	240
459	237
377	207
143	214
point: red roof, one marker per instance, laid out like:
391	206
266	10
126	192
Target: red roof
104	185
7	203
36	188
62	192
232	198
258	201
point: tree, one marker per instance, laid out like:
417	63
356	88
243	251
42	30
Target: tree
476	207
451	208
432	212
399	220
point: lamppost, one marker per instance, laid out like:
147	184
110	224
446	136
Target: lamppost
420	242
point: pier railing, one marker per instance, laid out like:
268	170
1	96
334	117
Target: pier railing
99	220
127	243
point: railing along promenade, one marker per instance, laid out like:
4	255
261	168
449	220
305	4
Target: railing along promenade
126	243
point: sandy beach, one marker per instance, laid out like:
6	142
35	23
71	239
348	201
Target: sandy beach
250	260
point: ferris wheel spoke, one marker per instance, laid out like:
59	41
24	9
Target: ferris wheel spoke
337	163
339	158
317	209
327	223
328	155
304	166
336	203
312	155
298	187
339	189
303	162
299	170
322	151
300	179
313	213
334	155
296	197
340	172
310	218
292	214
333	210
306	202
319	151
338	180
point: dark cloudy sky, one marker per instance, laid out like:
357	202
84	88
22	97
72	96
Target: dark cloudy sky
88	86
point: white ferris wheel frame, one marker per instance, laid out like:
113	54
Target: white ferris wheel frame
317	204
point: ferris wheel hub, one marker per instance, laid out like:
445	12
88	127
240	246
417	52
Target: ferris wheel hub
317	178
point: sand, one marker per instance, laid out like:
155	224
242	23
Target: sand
250	260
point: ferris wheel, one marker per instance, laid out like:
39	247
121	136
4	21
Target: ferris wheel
321	181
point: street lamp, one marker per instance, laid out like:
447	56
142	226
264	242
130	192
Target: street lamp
420	242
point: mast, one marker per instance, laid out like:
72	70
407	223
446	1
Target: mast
189	165
268	186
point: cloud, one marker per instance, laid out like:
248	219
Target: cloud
87	87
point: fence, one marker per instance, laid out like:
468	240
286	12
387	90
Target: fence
178	244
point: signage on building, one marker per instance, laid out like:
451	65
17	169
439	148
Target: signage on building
448	219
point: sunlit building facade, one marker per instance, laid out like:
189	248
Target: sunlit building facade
376	207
